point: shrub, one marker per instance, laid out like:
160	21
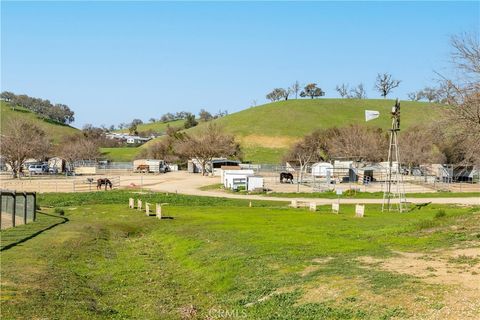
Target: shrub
440	214
59	211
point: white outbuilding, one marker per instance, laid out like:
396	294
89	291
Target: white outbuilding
322	169
254	183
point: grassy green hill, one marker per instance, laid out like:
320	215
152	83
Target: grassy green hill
267	131
53	129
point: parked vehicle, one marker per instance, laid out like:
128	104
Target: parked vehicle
38	168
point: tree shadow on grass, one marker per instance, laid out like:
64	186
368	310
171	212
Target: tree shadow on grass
27	236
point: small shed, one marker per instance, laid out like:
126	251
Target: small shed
254	183
322	169
232	179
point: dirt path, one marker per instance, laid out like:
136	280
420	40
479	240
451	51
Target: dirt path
189	184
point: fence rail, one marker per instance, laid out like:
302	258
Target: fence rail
17	208
58	185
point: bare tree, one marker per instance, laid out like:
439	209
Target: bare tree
76	148
22	140
208	143
163	149
358	92
466	54
418	146
342	90
311	148
204	115
413	96
464	94
428	93
385	84
295	88
358	142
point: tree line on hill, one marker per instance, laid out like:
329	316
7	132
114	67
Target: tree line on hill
190	121
384	84
60	113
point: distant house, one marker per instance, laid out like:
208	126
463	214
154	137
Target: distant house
128	138
137	140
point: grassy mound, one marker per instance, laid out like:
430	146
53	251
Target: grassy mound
53	129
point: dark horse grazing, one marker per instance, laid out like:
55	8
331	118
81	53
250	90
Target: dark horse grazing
106	182
286	177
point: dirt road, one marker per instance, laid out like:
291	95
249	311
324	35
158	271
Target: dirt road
185	183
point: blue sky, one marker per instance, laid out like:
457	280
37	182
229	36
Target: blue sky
115	61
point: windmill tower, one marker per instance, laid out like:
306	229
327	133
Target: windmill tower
394	189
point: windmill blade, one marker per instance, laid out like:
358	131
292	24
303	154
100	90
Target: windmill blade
371	114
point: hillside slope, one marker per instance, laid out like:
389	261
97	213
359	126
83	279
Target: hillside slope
267	131
53	129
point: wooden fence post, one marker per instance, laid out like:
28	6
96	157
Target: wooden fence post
139	204
158	212
24	208
359	210
34	206
147	208
131	203
14	207
313	206
335	207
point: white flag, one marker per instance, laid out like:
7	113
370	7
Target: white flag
371	114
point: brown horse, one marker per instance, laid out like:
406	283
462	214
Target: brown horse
105	182
286	177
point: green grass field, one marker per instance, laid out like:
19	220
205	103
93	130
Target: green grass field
124	154
54	130
213	256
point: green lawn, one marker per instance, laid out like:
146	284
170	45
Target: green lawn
217	255
124	154
259	154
